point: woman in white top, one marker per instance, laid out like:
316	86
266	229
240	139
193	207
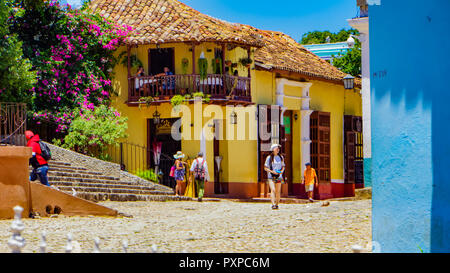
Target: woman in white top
274	166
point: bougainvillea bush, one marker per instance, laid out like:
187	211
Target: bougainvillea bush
72	52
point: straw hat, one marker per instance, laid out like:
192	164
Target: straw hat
178	155
274	146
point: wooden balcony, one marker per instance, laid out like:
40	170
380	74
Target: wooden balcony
219	87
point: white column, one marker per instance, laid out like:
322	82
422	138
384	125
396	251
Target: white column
367	130
305	126
306	112
362	25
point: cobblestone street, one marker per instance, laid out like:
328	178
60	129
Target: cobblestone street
223	226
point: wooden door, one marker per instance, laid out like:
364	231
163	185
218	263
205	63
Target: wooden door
160	58
353	151
286	142
264	123
321	145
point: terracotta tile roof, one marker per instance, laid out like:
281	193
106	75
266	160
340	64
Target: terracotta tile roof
284	53
167	21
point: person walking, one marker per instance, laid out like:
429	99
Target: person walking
310	179
199	172
37	161
180	170
275	166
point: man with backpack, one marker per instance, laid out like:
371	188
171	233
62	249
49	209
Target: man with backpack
39	160
199	170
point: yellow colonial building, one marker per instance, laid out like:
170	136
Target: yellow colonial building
230	91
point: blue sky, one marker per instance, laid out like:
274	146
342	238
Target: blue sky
293	17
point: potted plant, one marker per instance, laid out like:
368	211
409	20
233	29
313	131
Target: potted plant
234	65
198	95
228	63
147	100
176	101
246	62
184	65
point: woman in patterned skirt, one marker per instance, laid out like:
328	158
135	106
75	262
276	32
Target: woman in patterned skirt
179	171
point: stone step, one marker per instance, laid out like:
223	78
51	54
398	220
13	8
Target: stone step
58	163
111	190
66	170
119	184
96	197
82	175
80	179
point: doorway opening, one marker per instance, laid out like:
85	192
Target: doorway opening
161	133
159	58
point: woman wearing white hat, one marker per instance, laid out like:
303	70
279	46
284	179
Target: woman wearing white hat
179	171
274	167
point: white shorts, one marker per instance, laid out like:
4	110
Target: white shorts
309	188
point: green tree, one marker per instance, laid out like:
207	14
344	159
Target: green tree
320	37
350	62
93	130
16	77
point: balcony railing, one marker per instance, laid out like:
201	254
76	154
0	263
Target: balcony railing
219	87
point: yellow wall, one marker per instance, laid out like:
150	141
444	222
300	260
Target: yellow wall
328	97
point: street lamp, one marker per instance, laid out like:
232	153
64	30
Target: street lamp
349	82
156	117
351	41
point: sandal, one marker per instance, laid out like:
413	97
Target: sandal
274	207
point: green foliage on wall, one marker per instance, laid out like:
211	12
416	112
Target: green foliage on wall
94	130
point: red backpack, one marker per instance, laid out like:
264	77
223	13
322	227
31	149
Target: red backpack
199	171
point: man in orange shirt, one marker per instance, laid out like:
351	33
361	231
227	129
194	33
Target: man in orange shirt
309	179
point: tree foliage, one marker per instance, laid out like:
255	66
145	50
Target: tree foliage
16	77
93	130
350	62
320	37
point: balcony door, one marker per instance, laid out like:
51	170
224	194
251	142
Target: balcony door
159	58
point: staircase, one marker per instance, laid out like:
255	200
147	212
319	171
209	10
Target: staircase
96	186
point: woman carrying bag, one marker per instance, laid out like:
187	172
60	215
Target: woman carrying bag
179	171
274	166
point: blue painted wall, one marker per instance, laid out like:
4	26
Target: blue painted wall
410	125
368	172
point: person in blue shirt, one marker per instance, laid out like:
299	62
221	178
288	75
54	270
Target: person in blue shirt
168	83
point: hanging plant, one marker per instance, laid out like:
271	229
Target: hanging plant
184	65
246	62
134	60
203	68
228	63
216	64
